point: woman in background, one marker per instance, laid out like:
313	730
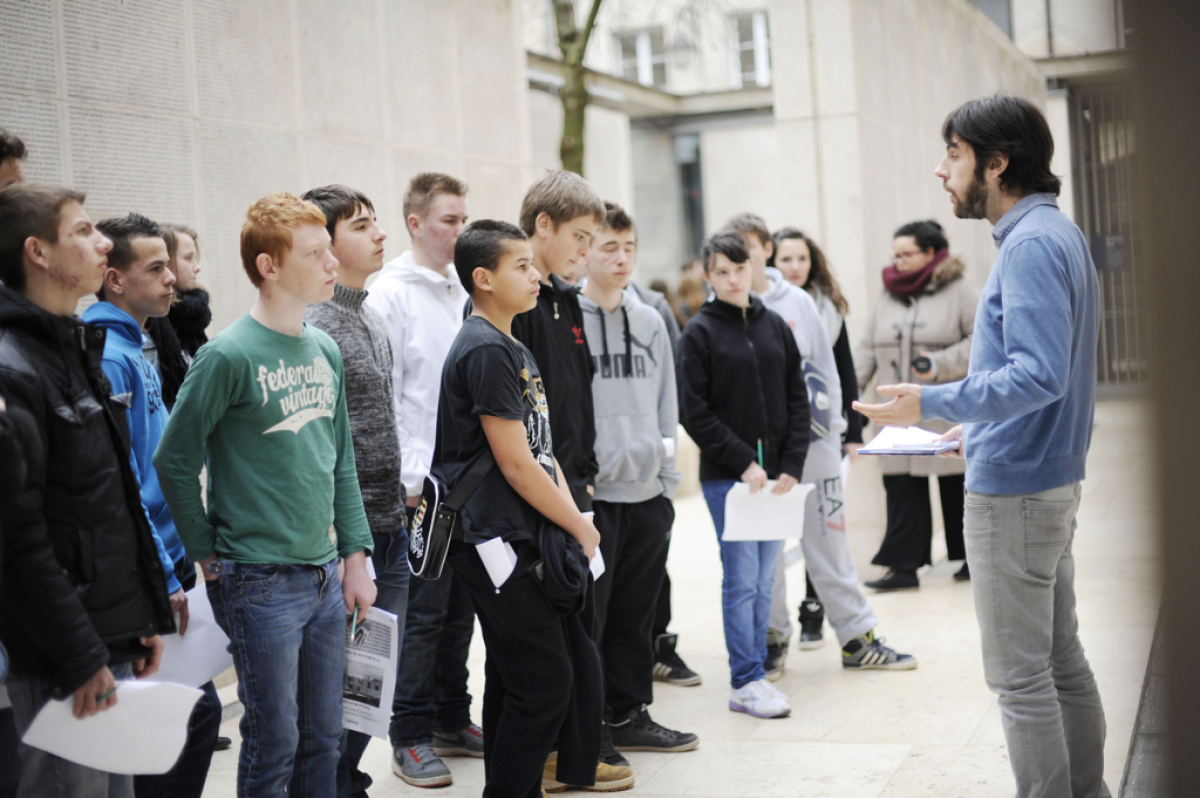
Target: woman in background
920	331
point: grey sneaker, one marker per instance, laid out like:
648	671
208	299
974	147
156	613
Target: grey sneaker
867	652
419	766
812	618
777	651
466	742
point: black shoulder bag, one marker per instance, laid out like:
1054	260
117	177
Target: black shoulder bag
435	516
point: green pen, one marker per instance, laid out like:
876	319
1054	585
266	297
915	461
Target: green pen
107	694
760	460
354	623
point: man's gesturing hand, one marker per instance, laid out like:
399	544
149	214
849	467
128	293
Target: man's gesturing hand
903	411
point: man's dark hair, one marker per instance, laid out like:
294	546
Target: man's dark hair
928	235
481	245
616	218
724	242
122	230
11	147
29	210
337	202
1013	126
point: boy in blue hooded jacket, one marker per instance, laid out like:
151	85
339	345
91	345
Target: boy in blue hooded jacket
137	287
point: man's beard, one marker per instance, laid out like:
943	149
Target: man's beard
974	205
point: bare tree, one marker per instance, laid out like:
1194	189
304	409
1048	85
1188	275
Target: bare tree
572	44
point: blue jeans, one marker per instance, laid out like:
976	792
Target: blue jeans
46	775
391	584
748	568
1023	577
287	632
431	684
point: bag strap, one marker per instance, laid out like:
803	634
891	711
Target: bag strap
470	480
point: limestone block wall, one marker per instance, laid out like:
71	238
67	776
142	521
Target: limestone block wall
188	110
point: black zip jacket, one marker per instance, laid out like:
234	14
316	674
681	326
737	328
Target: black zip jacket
553	331
82	579
741	382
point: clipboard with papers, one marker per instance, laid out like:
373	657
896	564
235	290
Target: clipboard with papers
907	442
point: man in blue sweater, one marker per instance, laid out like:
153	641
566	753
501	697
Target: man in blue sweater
138	286
1026	406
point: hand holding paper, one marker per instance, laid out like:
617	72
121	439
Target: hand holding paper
908	441
765	515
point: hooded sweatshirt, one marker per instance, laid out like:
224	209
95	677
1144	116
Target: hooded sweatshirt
742	383
136	385
422	312
824	390
635	402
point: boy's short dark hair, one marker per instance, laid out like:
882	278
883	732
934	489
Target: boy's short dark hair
11	147
423	190
481	245
563	196
122	230
337	202
724	242
750	224
1015	127
29	210
928	235
616	218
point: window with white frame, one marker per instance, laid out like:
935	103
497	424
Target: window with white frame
751	50
642	56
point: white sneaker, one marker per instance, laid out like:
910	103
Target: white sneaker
771	688
760	700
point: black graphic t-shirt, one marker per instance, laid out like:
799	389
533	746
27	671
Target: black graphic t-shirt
489	374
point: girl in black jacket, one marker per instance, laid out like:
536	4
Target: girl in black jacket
745	405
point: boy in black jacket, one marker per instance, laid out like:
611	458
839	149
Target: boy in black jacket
745	404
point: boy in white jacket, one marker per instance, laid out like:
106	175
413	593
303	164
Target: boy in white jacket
824	543
421	301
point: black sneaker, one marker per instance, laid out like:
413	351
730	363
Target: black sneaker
668	666
896	580
963	574
812	619
637	731
608	751
223	744
777	651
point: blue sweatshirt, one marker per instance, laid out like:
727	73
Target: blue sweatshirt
137	385
1030	394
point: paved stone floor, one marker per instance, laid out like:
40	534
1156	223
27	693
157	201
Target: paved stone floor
934	731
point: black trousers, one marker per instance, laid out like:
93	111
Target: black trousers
529	675
662	607
908	542
633	539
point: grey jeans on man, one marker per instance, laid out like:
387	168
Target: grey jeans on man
1023	574
44	775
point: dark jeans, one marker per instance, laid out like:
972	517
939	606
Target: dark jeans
633	540
529	674
908	543
187	777
431	683
390	557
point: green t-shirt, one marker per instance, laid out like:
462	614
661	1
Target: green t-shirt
266	412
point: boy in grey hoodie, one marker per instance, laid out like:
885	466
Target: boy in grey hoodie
637	412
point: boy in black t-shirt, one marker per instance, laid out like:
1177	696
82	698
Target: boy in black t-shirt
542	668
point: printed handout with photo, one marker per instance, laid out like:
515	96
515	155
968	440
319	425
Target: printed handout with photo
370	680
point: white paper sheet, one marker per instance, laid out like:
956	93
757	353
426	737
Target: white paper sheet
764	515
669	446
369	683
498	558
597	565
201	653
144	733
907	441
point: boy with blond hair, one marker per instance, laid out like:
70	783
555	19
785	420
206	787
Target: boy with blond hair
264	408
420	299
